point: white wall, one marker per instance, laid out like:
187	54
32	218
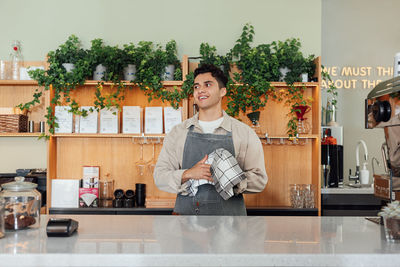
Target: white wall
359	33
42	25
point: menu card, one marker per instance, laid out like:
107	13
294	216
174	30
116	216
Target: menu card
172	117
88	124
131	119
153	120
109	120
65	193
63	118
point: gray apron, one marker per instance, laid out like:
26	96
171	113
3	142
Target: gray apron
207	201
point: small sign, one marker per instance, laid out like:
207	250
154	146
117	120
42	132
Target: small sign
109	120
153	120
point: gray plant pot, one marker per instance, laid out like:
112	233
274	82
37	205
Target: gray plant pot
68	67
130	72
168	73
283	72
304	77
99	73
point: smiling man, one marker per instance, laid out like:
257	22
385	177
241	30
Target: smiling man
184	166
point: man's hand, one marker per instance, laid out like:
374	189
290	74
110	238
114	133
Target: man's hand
200	170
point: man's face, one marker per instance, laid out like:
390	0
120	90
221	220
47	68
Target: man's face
206	91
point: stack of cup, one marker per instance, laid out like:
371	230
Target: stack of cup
140	195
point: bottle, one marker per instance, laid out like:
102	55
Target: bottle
16	60
364	174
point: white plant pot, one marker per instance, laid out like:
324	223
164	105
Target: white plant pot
168	73
304	77
68	67
283	72
99	73
130	72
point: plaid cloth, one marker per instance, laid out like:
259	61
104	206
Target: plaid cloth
225	171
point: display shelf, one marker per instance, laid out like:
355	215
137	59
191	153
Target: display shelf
18	82
20	134
164	83
102	135
301	136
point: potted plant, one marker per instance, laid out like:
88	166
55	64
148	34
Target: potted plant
170	60
106	61
209	56
292	63
130	60
250	87
69	53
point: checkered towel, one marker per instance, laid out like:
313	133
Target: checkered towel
225	171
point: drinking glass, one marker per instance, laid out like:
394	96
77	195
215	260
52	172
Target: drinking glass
309	191
296	196
106	189
392	228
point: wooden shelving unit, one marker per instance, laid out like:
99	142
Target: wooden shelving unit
116	154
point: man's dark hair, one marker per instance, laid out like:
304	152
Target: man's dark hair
217	73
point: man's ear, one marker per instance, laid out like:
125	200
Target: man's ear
222	91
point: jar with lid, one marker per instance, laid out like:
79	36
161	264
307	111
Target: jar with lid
22	204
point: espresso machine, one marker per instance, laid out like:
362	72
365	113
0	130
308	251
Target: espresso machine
382	110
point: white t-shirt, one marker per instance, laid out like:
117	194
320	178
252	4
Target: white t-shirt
210	126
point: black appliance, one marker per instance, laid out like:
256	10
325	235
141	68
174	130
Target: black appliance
382	110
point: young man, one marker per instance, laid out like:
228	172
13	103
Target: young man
186	149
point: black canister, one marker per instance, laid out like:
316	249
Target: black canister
140	195
119	193
118	202
129	201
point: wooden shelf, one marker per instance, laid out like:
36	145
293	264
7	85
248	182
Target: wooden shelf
297	84
88	82
100	135
301	136
165	83
18	82
20	134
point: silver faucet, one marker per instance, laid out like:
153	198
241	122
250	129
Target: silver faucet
356	176
372	163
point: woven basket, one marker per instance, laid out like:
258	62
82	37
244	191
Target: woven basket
17	123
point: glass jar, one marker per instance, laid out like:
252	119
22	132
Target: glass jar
22	204
16	60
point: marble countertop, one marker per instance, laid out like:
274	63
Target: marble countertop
129	240
368	189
